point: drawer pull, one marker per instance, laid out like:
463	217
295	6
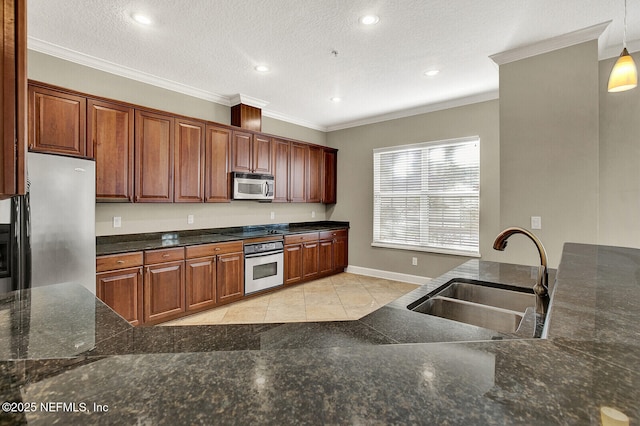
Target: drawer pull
119	262
217	248
165	255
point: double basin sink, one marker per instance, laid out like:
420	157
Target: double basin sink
489	305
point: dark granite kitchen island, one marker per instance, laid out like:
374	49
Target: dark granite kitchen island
382	369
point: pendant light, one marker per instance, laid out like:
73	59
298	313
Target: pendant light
624	75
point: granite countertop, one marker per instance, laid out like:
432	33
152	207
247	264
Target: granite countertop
115	244
393	366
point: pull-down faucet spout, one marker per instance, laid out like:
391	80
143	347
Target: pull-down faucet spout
541	288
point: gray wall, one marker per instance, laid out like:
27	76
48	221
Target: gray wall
166	217
549	149
619	163
355	181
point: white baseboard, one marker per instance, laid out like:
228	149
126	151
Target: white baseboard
395	276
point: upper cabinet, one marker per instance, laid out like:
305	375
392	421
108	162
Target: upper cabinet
57	122
251	153
314	174
13	92
281	170
298	172
154	150
217	152
329	175
189	161
110	133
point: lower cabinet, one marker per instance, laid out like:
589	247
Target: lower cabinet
164	285
119	284
311	255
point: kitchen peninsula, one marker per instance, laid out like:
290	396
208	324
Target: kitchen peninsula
392	366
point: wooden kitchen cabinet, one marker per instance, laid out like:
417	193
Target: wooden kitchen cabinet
164	284
119	284
301	261
111	140
298	172
280	151
57	122
154	157
189	161
215	274
13	92
333	251
314	174
230	277
329	176
217	153
251	153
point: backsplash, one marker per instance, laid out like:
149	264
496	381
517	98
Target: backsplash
155	217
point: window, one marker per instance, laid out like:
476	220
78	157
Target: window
427	196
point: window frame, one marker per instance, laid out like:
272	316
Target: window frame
423	243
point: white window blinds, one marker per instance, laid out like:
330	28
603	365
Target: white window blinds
427	196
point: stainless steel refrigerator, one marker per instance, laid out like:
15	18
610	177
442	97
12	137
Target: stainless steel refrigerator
51	230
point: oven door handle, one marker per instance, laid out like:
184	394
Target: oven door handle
264	254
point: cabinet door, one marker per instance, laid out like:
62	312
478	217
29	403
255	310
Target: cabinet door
340	254
241	152
330	177
261	154
13	92
217	153
201	283
164	291
189	161
154	157
310	260
280	165
230	277
325	257
122	291
292	263
57	122
110	134
298	173
314	175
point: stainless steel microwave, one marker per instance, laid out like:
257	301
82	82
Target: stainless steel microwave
251	186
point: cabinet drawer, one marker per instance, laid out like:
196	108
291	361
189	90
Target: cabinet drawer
163	255
301	238
329	235
118	261
206	250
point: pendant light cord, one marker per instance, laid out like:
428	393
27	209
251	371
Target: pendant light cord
624	34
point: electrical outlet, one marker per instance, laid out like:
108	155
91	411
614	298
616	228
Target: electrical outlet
273	215
313	214
190	219
117	221
414	261
536	222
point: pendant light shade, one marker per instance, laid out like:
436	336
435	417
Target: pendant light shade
624	75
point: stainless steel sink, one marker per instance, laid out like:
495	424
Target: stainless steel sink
497	307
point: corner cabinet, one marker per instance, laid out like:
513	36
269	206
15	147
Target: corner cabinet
13	91
154	150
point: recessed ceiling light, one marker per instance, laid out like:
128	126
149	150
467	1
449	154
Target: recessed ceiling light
141	19
431	73
369	19
262	68
335	99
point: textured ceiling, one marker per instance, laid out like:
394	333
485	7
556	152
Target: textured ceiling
212	47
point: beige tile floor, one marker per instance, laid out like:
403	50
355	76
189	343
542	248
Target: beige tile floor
339	297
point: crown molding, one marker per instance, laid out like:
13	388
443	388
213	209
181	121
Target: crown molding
247	100
545	46
293	120
452	103
122	71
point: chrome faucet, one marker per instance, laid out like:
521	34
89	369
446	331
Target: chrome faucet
541	288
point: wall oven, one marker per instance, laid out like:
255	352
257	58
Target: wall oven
263	266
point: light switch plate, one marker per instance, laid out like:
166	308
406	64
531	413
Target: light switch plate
117	221
536	222
190	219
